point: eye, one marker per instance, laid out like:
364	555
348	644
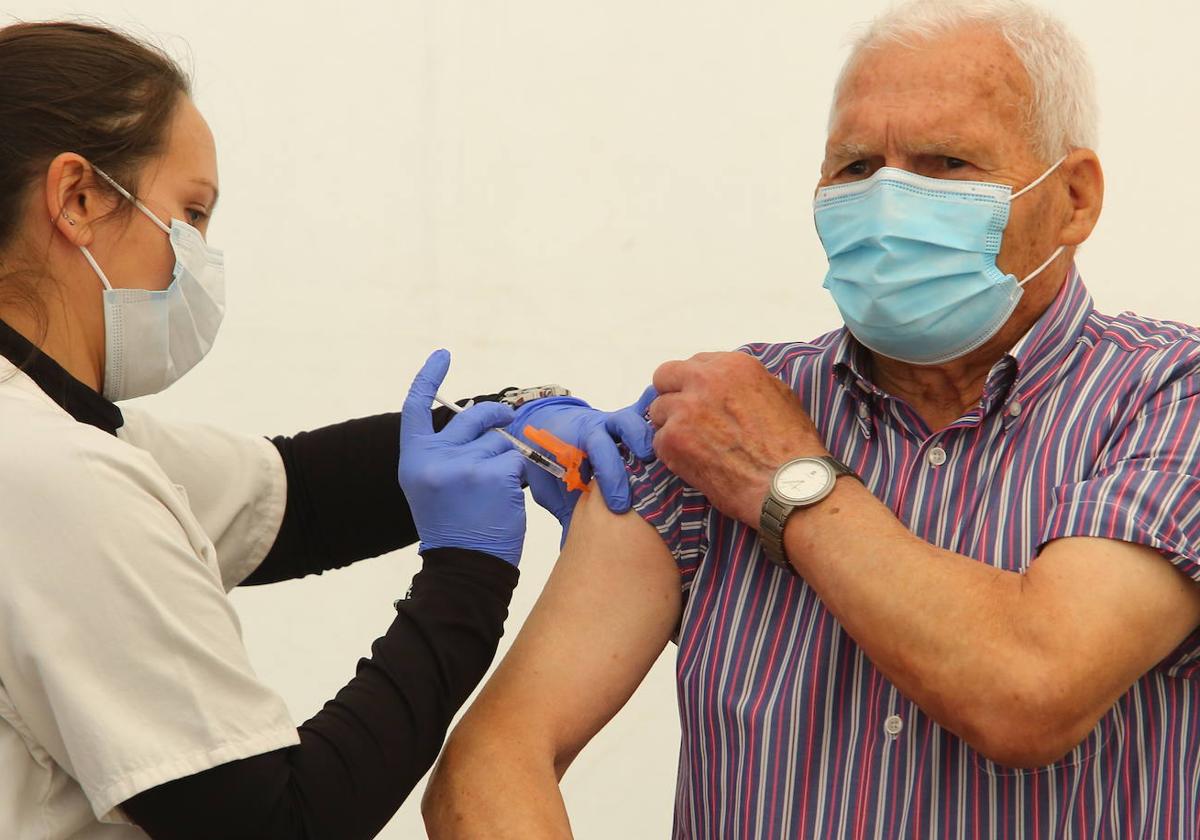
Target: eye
195	217
954	163
857	169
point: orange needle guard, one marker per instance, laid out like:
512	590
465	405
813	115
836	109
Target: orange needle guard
569	457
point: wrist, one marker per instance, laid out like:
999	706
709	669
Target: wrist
529	409
797	487
508	550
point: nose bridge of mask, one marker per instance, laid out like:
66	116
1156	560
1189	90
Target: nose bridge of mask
967	216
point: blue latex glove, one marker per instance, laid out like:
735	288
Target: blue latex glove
464	484
596	432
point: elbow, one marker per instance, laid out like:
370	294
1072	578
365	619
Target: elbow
444	806
486	777
1027	730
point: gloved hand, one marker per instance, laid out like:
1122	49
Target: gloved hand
464	483
596	432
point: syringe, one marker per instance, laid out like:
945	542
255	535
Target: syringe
521	446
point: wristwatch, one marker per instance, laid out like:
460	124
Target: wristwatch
797	484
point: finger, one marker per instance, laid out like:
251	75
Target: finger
510	467
631	427
548	491
476	420
643	403
417	417
673	376
486	446
663	407
609	469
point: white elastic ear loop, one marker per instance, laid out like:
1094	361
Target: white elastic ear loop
1042	267
96	267
1027	187
1021	192
137	202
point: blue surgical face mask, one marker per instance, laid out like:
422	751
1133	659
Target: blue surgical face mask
153	337
912	262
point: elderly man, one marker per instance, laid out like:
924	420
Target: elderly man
933	574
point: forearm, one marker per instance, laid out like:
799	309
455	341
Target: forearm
362	754
605	615
484	770
971	644
344	503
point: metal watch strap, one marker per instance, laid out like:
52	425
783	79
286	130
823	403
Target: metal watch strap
517	397
775	514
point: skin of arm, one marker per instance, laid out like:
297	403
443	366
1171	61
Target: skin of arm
608	610
1021	666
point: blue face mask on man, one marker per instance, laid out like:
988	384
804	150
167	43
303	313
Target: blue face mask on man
912	262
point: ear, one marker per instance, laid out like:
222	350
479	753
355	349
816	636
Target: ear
1085	185
73	198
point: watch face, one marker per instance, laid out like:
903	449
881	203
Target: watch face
803	480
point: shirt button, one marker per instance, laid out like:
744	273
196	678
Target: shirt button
1014	408
863	411
937	456
893	725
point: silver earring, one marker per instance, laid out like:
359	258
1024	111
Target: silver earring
70	221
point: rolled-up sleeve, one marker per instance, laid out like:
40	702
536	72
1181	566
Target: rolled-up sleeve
678	512
1145	488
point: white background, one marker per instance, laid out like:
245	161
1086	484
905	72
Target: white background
561	191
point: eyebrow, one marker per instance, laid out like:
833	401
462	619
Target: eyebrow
854	151
204	182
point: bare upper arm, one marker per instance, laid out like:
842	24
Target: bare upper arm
606	613
1110	611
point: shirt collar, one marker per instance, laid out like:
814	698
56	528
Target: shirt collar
1053	335
1037	353
74	397
851	363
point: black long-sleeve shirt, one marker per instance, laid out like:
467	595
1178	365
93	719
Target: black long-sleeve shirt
361	755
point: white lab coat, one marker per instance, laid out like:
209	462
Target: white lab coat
121	659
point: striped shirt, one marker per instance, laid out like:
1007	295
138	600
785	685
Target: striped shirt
1089	426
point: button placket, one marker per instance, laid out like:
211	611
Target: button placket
1012	413
864	418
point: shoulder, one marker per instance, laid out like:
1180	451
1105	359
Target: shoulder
790	360
67	484
1133	333
49	454
1147	351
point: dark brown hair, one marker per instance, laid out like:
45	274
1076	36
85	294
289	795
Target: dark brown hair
75	87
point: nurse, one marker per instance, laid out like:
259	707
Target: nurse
128	706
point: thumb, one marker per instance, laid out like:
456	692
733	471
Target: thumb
416	418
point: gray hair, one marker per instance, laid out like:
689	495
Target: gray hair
1062	114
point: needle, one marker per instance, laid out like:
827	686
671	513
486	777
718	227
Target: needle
521	446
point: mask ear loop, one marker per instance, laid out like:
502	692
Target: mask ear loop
87	255
1042	267
1027	187
1057	251
137	202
